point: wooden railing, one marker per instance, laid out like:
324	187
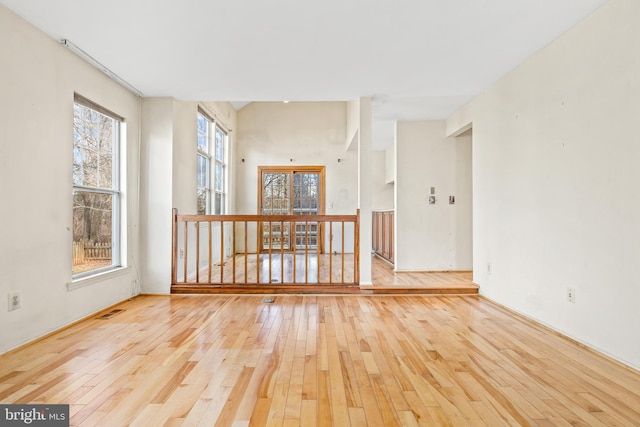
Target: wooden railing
264	250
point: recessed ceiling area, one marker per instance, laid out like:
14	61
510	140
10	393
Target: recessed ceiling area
417	59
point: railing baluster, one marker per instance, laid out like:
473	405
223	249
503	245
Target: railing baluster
221	251
293	230
270	248
197	251
318	247
210	258
306	252
330	252
282	251
342	251
246	240
184	252
233	252
260	239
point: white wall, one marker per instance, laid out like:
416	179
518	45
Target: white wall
352	125
432	237
555	183
38	78
390	165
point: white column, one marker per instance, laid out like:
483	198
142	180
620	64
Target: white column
156	202
365	177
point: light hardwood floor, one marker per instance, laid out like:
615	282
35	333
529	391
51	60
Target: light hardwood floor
384	278
234	360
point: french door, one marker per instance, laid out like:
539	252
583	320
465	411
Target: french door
291	191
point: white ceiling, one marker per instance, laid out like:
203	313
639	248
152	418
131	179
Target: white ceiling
418	59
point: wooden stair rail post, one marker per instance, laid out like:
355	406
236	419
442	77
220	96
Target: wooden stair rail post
221	251
198	252
356	248
174	244
233	252
186	251
330	252
210	257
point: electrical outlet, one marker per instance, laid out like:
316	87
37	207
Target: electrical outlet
571	295
14	301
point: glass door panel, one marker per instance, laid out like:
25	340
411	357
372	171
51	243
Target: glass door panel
291	192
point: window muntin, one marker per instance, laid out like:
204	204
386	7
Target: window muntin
96	189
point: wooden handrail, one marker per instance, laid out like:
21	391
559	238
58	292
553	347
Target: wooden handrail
290	255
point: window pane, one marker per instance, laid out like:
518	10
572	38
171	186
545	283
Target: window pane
219	145
94	140
219	204
203	133
203	201
92	231
203	171
219	177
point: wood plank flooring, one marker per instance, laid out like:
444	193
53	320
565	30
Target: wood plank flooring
234	360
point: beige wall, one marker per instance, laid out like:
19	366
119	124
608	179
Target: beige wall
38	78
381	191
156	194
169	148
295	134
434	237
555	159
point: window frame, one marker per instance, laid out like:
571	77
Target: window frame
115	191
292	171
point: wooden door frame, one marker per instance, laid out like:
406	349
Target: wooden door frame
291	170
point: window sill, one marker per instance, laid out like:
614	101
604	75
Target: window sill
100	277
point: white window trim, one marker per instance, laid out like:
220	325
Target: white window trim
97	278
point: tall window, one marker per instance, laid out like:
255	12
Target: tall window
212	147
96	189
204	165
